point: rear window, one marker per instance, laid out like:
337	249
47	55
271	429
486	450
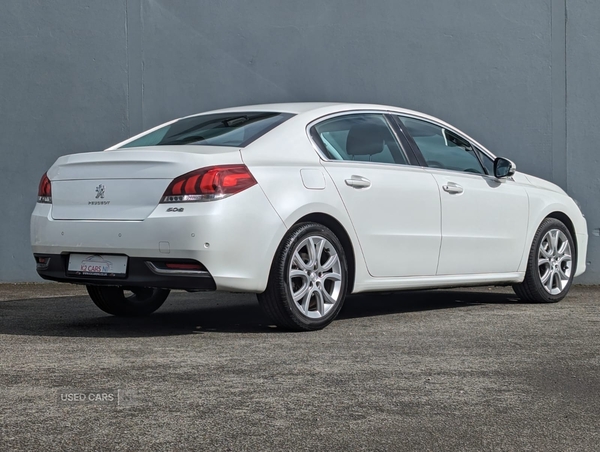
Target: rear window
237	129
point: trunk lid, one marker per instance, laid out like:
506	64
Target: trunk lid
125	184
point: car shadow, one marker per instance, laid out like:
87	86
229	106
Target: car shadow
215	312
369	305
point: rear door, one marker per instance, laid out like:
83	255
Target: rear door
394	207
484	219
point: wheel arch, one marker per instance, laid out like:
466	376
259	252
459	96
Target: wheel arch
529	288
557	213
566	220
338	229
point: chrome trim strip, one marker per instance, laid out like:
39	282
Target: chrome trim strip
399	112
173	272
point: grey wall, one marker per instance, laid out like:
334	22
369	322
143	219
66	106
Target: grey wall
81	75
583	115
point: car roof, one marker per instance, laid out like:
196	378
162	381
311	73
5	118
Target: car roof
309	111
292	107
309	107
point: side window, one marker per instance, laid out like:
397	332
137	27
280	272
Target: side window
364	137
442	148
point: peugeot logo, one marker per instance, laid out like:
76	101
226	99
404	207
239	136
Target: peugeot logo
100	191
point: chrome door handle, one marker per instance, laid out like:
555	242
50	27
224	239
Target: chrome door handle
452	188
358	182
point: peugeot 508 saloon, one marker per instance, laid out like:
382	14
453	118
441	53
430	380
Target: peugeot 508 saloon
301	204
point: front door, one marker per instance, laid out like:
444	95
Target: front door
484	219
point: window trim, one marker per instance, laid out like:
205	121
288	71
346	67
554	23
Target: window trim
478	148
403	144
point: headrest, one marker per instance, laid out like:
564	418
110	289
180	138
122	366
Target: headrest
366	139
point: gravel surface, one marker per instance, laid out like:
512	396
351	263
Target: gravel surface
439	370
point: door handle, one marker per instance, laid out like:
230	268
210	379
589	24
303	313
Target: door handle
358	182
452	188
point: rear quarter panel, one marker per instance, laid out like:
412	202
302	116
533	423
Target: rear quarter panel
276	161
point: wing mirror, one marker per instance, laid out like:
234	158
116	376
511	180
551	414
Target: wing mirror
504	168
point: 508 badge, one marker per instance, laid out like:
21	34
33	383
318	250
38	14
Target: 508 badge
175	209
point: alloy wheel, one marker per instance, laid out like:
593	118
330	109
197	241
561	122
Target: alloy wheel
555	261
315	277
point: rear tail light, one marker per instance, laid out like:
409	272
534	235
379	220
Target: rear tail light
45	190
209	184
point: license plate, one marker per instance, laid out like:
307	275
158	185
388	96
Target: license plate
97	265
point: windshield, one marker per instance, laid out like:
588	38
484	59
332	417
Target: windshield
237	129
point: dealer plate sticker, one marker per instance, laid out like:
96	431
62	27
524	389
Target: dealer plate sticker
97	265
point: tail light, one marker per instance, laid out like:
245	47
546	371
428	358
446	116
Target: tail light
209	184
45	190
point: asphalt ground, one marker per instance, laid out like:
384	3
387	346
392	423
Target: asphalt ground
435	370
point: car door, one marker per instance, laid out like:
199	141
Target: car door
484	219
394	206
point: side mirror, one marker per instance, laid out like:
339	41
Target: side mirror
504	168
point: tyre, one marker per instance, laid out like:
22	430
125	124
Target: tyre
551	264
135	302
308	279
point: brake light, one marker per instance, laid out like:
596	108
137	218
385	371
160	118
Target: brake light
209	184
45	190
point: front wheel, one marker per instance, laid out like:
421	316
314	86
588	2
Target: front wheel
135	302
308	280
551	264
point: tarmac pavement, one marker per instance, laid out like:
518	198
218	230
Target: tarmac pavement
435	370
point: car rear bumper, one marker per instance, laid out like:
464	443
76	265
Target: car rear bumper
235	239
141	272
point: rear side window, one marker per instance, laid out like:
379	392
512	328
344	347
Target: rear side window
364	137
237	129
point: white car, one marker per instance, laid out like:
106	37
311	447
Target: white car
302	204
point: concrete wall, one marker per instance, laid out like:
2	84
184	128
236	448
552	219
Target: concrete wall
81	75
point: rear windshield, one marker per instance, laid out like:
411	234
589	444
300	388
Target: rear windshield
236	129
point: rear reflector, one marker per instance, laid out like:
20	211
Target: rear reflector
209	184
42	262
45	190
185	268
179	266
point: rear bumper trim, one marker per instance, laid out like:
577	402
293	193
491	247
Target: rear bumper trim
139	274
174	272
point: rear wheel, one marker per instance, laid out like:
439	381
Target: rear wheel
551	264
308	279
134	302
